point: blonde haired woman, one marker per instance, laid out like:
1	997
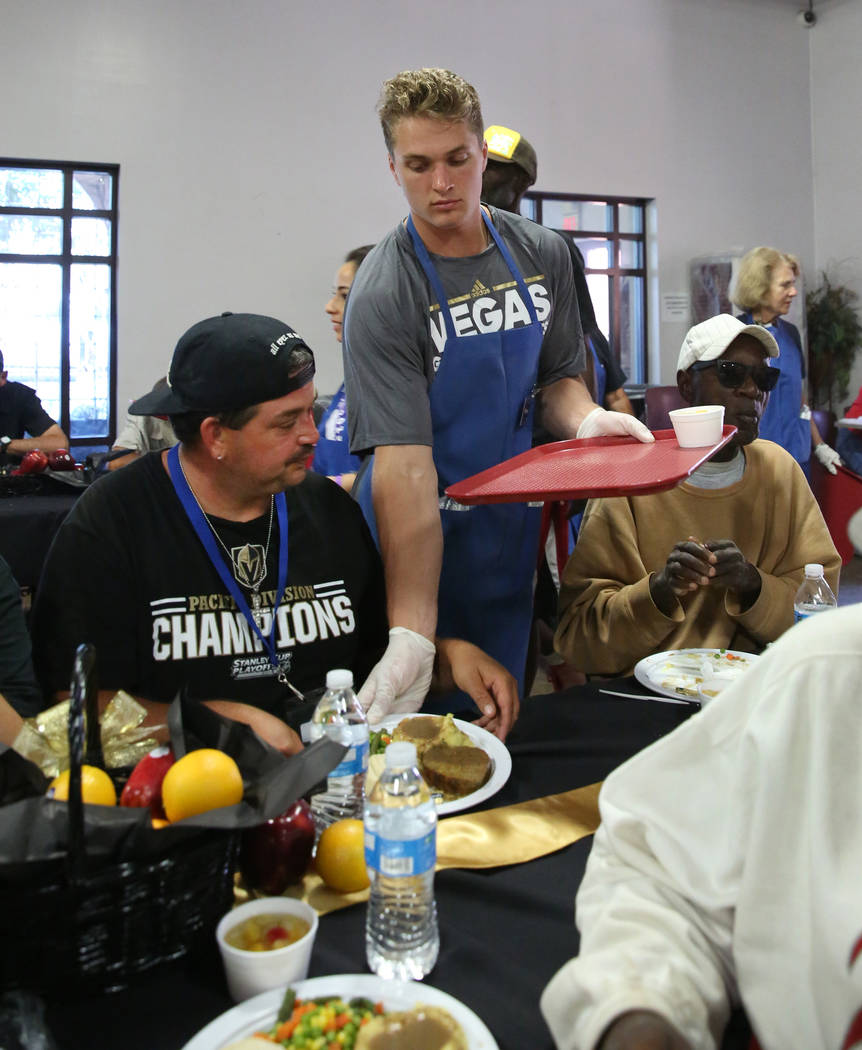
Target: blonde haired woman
765	289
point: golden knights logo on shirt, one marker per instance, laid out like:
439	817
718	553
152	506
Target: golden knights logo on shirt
249	564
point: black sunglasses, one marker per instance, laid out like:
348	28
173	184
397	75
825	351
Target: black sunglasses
733	374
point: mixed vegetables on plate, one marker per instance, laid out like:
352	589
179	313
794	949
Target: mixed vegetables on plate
327	1023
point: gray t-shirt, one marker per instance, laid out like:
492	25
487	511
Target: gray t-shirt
395	333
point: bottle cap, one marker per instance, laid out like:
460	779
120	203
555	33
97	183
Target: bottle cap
813	569
340	678
400	754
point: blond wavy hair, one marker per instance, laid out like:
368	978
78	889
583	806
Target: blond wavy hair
755	275
436	93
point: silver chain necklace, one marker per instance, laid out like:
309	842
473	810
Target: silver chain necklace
249	568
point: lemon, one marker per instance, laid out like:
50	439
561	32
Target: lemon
200	781
340	858
97	788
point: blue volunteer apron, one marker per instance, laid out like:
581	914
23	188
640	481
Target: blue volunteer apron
332	454
600	371
482	405
781	421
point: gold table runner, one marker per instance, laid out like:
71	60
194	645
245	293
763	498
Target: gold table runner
491	838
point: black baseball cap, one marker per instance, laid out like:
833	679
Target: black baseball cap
230	362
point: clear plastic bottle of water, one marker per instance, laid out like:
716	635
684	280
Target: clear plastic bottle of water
339	716
401	935
814	594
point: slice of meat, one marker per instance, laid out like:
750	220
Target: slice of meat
456	771
423	731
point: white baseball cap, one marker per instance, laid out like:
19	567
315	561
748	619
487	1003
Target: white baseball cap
709	339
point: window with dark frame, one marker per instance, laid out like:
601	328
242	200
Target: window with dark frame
58	290
611	235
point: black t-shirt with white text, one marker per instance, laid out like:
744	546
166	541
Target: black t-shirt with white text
127	573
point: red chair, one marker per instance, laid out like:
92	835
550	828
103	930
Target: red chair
658	401
839	496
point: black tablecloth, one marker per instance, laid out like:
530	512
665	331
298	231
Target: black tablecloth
503	932
28	524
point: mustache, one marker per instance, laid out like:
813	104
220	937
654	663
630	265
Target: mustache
303	454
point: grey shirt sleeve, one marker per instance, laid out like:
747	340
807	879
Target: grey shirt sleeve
132	435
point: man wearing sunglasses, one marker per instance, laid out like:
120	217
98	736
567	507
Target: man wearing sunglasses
714	562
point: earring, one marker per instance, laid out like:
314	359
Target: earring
219	458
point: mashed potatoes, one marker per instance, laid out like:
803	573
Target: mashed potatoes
422	1028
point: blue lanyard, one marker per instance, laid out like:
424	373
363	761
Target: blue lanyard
204	533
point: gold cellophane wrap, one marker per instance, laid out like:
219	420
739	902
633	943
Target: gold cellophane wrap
44	739
492	838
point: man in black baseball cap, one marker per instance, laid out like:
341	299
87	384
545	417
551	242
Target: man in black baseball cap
221	566
230	362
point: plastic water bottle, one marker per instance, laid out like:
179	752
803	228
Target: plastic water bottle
401	935
339	716
814	594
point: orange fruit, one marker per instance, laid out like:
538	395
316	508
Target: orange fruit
200	781
97	788
340	858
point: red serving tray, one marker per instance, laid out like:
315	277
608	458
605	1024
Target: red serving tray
587	468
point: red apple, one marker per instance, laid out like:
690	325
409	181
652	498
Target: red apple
34	462
144	787
277	854
61	460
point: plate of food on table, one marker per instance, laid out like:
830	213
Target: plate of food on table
693	674
350	1012
462	764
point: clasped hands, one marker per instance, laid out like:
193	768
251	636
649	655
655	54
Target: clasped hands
692	564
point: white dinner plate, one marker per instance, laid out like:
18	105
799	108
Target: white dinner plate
678	673
258	1014
501	762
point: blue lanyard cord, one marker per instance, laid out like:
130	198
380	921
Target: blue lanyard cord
204	533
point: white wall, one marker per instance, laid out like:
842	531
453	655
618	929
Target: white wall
251	159
836	103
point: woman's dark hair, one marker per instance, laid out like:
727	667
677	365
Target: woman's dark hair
358	254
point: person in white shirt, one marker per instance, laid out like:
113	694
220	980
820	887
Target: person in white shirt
727	868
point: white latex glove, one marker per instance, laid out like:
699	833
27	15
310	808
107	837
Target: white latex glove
601	423
828	457
401	678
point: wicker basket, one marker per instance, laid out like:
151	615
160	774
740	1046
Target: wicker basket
76	923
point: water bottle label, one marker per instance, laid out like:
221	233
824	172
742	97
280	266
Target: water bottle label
803	613
354	762
395	857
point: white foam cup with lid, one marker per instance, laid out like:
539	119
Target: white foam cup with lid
698	426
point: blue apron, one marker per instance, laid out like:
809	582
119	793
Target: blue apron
781	421
600	371
482	405
332	455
